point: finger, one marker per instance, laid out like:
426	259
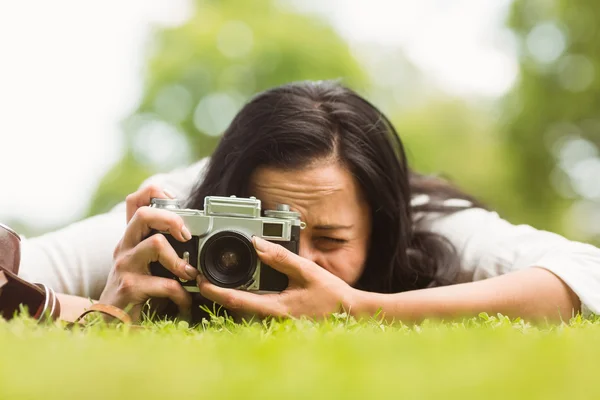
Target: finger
142	198
158	248
153	286
239	300
281	259
146	219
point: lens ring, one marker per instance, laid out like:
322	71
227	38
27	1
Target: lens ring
228	259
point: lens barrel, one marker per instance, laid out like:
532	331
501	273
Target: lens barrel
228	259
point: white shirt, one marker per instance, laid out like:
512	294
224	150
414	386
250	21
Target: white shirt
77	259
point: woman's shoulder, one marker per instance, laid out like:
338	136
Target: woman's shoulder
456	210
460	222
422	199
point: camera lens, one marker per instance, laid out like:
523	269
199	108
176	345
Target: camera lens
228	259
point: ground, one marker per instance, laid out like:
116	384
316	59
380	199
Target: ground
483	357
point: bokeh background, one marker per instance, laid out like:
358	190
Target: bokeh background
501	97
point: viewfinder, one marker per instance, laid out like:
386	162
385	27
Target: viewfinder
273	230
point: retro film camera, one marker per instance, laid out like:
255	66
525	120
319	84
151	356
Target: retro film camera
221	247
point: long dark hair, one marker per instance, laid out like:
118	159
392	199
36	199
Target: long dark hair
292	125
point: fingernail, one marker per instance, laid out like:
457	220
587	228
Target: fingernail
169	193
260	244
186	233
191	271
199	279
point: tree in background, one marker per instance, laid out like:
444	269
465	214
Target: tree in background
530	167
201	73
552	120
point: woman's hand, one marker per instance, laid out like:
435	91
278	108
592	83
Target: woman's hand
129	283
312	291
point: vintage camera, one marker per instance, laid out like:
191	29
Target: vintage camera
221	246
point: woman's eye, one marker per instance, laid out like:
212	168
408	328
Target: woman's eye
336	240
331	240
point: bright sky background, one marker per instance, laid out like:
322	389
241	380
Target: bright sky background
65	64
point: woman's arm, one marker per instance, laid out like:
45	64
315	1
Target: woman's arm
72	307
76	259
534	293
490	247
515	270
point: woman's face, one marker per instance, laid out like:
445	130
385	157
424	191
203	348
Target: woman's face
329	200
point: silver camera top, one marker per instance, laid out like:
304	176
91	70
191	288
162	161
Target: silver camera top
232	206
282	211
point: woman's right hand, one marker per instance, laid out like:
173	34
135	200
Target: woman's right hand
130	283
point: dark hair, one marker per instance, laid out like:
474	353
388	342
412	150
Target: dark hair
292	125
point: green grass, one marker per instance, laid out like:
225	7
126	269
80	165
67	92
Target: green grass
484	357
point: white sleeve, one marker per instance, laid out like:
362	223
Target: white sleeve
77	259
489	246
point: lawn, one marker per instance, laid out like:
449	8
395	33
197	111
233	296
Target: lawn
481	358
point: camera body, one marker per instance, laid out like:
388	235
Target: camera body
221	245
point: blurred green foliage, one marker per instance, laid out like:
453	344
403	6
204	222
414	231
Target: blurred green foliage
532	156
551	124
201	73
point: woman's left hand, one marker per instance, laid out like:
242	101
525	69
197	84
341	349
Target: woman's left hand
312	290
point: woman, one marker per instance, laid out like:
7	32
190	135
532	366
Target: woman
379	236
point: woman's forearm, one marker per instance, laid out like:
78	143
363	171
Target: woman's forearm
72	307
534	294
